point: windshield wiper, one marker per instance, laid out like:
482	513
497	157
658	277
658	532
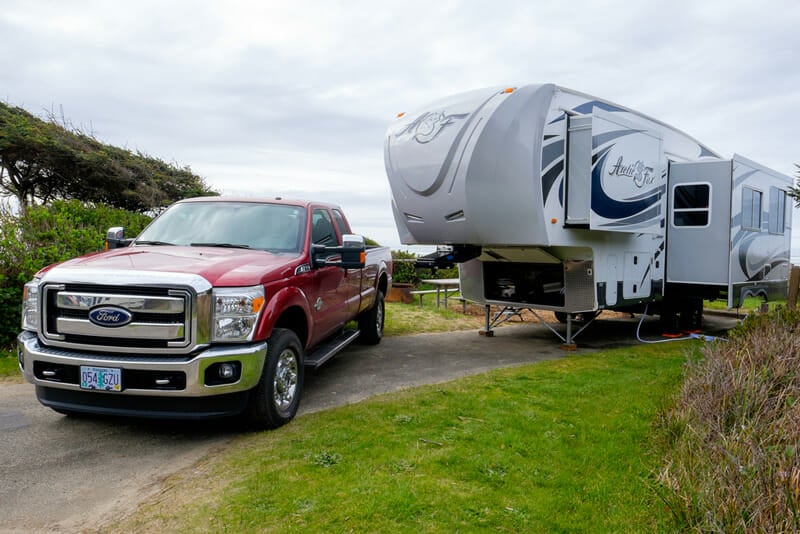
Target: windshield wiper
155	243
223	245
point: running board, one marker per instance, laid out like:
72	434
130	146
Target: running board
325	352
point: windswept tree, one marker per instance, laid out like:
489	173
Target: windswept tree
44	160
794	191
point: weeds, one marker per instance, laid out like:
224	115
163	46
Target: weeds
733	435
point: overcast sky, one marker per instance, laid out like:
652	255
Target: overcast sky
294	98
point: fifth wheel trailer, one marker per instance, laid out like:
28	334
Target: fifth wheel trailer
551	199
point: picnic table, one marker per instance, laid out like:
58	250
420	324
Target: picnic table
442	285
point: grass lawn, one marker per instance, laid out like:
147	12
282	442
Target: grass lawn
559	446
750	303
9	368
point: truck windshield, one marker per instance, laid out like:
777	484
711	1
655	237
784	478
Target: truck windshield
272	227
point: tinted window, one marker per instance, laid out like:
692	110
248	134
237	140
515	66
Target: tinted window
322	231
691	205
344	228
691	196
777	210
751	209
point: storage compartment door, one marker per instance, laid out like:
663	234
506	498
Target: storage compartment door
628	176
698	227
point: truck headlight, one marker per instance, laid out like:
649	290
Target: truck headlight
30	306
236	311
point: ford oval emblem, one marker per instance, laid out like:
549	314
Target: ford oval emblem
110	316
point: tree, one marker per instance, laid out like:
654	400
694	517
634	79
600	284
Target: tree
794	191
47	160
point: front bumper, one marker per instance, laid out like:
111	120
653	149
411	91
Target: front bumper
58	369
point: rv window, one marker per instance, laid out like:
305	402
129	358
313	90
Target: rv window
777	210
751	209
691	204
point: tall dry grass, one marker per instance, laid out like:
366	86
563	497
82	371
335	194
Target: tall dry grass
733	435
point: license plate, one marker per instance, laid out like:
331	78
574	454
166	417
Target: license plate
104	378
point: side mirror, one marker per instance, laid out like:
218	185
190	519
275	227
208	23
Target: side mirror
351	255
115	238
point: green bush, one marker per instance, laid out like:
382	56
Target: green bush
406	272
43	235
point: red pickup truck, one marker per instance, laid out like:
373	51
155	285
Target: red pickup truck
214	310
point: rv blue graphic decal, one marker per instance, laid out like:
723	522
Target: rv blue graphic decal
610	208
741	178
645	216
551	152
754	265
706	153
586	108
602	139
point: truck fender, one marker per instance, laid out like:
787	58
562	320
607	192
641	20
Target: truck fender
282	300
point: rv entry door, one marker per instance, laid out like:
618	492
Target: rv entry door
698	222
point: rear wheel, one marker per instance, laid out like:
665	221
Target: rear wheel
275	400
370	323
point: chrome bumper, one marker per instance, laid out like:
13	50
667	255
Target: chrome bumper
251	358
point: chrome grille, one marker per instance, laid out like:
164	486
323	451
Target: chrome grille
161	318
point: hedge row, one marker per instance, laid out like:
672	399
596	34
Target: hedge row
42	235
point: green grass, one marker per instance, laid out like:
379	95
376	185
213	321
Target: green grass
403	319
560	446
750	303
9	368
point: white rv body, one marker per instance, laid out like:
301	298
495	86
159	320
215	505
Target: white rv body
576	204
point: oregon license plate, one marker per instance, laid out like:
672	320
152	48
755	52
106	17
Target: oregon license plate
104	378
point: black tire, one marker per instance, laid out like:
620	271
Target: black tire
561	317
275	400
370	323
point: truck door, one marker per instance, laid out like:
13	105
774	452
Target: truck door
698	223
330	302
356	280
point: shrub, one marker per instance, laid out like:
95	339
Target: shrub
406	272
43	235
734	434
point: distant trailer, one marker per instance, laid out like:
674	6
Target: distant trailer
551	199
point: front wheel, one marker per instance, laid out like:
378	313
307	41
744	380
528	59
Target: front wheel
275	400
370	323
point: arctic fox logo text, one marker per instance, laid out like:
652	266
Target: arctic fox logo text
641	174
108	316
427	126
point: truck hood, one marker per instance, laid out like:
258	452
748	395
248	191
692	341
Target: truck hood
221	267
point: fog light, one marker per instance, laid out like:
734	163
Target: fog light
221	373
226	371
21	358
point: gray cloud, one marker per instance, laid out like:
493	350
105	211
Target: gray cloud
266	97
